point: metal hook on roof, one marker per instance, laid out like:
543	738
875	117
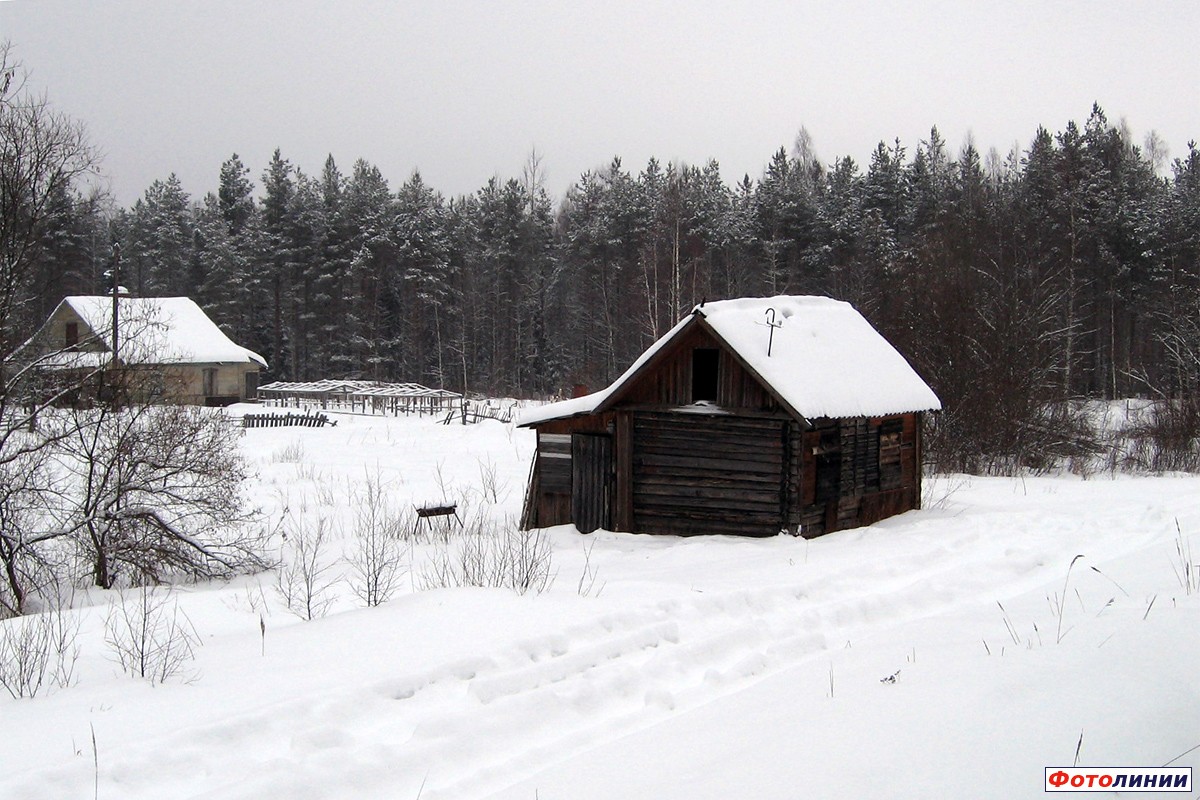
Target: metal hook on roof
772	324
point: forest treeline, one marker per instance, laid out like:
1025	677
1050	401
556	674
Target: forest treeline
1065	270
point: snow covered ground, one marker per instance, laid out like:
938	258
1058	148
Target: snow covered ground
952	652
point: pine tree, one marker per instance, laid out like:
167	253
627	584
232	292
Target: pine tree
423	297
273	266
369	212
160	250
543	361
219	267
331	288
234	194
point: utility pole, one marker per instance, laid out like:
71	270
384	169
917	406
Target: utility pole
116	291
114	275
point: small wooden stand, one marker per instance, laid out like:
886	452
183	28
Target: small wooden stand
426	513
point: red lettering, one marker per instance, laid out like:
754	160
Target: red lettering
1058	778
1106	781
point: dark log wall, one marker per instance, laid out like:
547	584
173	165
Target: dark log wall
689	473
858	471
705	474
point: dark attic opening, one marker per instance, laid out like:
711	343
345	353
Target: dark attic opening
704	374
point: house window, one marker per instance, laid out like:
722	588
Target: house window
704	373
251	385
210	382
72	334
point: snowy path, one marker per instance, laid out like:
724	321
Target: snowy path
474	725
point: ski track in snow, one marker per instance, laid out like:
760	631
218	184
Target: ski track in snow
472	726
463	727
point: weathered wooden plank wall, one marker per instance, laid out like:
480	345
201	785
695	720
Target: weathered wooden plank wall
695	473
670	382
858	471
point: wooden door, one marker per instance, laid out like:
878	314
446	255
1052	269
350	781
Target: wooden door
591	481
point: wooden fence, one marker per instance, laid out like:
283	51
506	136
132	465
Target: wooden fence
286	421
473	411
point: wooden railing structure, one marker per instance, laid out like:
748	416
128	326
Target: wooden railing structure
363	397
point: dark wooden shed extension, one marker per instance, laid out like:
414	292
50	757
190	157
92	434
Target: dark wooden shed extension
730	424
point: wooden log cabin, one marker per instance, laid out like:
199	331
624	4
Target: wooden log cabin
750	417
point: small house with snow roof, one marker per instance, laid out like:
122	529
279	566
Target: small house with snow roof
749	417
170	341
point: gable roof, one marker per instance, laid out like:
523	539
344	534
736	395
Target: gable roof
826	360
161	330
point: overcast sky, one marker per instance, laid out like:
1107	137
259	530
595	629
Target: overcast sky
463	91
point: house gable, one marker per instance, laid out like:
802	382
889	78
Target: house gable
670	378
56	333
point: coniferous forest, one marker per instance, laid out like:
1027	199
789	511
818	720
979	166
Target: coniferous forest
1066	270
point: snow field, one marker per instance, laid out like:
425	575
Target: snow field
693	668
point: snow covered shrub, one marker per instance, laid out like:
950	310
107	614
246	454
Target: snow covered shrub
494	556
996	439
37	648
491	487
290	453
1168	439
149	635
306	575
24	655
377	560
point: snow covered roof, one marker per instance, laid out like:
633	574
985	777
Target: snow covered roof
161	330
356	388
826	360
324	386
